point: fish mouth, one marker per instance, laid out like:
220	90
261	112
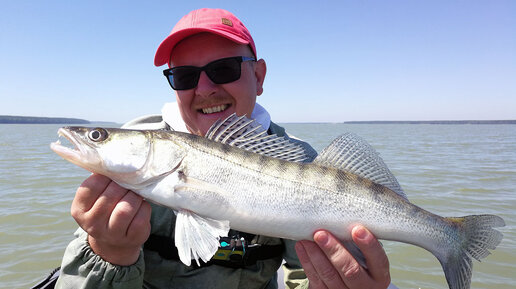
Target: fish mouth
68	153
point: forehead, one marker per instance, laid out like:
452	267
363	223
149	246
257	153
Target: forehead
199	49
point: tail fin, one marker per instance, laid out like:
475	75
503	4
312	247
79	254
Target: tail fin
477	237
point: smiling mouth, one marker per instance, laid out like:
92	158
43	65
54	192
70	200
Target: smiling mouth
215	109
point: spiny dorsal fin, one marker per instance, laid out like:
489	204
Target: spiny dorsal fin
351	153
249	135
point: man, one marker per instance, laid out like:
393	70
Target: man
215	72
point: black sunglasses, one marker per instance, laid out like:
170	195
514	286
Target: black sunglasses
220	71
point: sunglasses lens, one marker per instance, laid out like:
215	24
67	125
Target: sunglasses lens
224	70
183	78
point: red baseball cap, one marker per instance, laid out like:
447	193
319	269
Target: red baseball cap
216	21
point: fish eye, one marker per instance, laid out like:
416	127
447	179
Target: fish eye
98	134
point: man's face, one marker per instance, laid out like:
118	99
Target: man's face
203	105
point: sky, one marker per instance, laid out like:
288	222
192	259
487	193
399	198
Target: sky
327	61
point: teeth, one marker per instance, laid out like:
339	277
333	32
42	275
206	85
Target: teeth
69	144
214	109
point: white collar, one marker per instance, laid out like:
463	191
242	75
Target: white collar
172	116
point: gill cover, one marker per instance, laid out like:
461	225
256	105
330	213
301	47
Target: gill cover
122	151
136	159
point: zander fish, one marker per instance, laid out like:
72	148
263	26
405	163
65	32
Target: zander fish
241	177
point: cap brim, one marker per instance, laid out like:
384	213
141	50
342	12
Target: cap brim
162	56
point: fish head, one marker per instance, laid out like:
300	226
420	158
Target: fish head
115	153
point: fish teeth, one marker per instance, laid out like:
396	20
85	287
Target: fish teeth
62	135
214	109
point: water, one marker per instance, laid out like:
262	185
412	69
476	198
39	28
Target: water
451	170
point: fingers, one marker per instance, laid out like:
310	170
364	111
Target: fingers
105	204
328	264
306	249
94	203
123	211
139	229
88	193
347	268
105	210
131	218
377	261
324	274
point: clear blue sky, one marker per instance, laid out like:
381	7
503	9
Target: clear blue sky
328	61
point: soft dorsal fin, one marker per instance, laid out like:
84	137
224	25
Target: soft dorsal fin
351	153
248	134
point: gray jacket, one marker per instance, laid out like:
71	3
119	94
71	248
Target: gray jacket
82	268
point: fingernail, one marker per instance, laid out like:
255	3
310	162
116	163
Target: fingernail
361	232
321	238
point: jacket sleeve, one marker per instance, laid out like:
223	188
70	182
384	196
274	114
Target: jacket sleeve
82	268
293	274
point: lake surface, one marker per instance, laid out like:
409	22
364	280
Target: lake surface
451	170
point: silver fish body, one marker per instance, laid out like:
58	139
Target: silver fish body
213	184
291	199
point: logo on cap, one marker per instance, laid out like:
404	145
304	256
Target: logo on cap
227	22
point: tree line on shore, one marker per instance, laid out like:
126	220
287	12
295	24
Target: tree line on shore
12	119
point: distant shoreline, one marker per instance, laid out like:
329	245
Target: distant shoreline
434	122
12	119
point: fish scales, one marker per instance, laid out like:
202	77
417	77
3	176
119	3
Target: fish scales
321	187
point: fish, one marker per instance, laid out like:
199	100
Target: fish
241	177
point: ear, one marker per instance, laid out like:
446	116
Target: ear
260	69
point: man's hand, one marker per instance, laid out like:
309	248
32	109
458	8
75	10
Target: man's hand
117	220
328	264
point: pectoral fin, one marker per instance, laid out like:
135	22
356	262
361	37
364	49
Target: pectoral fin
197	237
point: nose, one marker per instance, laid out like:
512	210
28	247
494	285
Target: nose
205	86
